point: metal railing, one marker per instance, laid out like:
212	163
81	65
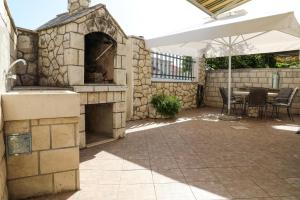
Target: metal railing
170	66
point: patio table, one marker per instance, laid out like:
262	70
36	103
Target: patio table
245	94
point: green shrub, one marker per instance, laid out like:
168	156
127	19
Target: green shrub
166	105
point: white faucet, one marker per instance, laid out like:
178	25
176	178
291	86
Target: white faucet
9	74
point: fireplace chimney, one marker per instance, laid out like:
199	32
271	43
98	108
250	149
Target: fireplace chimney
77	5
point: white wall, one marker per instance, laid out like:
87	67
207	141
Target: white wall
8	40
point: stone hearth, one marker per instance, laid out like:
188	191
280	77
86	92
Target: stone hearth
101	95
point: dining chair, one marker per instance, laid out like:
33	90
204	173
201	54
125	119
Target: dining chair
234	101
258	99
282	97
285	103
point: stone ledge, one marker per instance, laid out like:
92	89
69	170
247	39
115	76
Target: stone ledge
40	105
100	88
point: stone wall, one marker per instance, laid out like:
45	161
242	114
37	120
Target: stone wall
27	50
144	87
8	40
53	165
249	78
141	67
61	49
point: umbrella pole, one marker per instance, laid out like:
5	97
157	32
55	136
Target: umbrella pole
229	76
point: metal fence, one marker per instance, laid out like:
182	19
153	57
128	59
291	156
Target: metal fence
169	66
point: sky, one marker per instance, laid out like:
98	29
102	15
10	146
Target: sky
148	18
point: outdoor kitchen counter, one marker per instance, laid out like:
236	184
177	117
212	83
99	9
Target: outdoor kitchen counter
38	104
42	142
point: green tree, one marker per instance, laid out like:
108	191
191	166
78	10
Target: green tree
243	61
187	64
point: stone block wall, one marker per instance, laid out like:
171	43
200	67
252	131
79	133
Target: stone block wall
8	53
27	50
141	69
186	92
250	78
53	165
115	95
144	87
61	49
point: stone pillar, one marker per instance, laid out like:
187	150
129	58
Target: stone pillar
77	5
202	70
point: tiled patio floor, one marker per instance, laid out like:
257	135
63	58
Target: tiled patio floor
196	157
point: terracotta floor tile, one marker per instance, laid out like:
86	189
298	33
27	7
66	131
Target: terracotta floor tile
196	175
136	177
244	189
99	164
228	174
212	161
168	176
136	164
137	192
209	191
190	163
107	192
277	187
173	191
163	163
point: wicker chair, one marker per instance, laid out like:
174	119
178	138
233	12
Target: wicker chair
282	102
258	99
234	101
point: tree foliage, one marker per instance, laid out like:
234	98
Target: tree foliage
187	64
244	61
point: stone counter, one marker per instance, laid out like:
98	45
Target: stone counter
51	118
53	164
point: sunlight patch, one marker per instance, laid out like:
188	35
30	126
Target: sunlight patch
153	125
210	117
239	127
207	195
288	127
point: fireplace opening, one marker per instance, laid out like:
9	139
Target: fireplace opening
98	123
100	51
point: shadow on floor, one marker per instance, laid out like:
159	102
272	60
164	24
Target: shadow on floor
194	157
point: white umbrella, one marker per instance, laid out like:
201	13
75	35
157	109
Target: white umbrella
234	36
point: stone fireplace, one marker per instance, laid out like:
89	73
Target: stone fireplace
98	122
85	49
100	51
85	46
